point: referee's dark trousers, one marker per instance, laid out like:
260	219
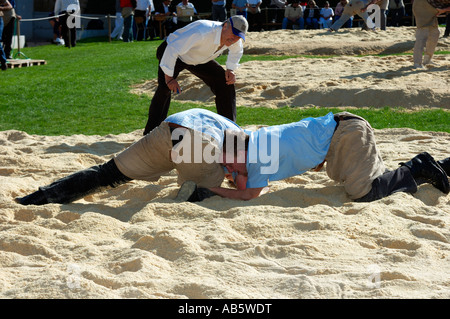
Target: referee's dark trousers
212	73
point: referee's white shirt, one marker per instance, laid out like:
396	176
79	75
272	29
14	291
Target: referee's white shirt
198	43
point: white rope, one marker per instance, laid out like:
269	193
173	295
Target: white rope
73	15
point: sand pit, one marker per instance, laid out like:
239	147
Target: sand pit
303	239
346	80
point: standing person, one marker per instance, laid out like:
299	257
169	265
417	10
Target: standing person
150	157
344	141
219	11
427	32
254	15
241	7
195	48
383	4
396	12
69	33
276	12
4	6
141	14
127	7
353	7
118	25
9	19
293	15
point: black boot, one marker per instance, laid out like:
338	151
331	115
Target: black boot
423	166
445	165
36	198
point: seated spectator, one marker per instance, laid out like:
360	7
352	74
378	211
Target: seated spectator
338	13
166	10
254	15
312	15
293	15
241	7
185	20
396	12
326	16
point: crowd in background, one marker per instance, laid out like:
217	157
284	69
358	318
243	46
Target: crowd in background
149	19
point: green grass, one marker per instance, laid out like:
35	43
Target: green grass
85	90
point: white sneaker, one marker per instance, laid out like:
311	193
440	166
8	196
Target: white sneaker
418	66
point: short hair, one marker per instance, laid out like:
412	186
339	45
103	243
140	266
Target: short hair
235	141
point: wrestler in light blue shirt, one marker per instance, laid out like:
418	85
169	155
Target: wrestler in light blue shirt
281	151
204	121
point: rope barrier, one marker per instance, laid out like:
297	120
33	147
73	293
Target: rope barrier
73	15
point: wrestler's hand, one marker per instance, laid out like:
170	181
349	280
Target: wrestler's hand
172	84
230	77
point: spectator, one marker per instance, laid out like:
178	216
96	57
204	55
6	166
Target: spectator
276	13
447	26
127	15
56	26
254	15
326	16
185	20
141	14
293	15
338	12
396	12
312	15
118	26
69	34
166	9
383	4
219	11
9	19
4	6
241	7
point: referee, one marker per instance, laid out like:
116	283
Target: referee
195	48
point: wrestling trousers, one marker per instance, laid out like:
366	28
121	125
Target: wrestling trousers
212	73
83	183
399	180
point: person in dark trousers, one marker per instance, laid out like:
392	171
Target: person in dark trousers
4	6
69	32
9	19
194	48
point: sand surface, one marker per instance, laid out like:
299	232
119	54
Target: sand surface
344	80
303	239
